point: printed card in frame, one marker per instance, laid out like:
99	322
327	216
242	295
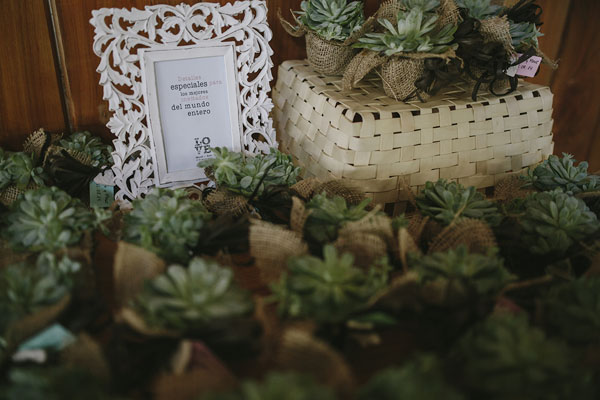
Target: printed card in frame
123	36
192	102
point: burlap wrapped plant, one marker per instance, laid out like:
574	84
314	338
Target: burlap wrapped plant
331	27
401	51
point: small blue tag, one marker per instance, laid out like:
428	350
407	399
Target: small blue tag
55	337
101	195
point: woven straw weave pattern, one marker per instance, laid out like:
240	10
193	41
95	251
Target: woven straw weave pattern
374	141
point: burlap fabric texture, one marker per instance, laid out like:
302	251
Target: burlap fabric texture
329	57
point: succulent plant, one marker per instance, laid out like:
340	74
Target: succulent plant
461	275
53	383
328	215
524	35
572	310
416	31
19	169
423	5
166	222
505	358
419	379
556	172
193	300
447	202
328	290
553	221
91	145
331	19
251	175
28	288
278	386
480	9
47	219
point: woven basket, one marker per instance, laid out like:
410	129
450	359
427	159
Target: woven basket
372	140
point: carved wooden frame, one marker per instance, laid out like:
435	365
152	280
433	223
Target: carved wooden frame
120	33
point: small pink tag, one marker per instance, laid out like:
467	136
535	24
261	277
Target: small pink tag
529	67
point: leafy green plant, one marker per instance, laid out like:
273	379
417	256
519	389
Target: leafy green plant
19	169
47	219
166	222
524	35
25	289
56	383
91	145
415	32
505	358
556	172
328	290
278	386
251	175
331	19
480	9
572	310
461	275
419	379
553	221
328	215
447	202
195	300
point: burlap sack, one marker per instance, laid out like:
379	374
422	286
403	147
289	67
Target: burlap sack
416	226
11	193
497	29
136	322
448	13
26	327
306	187
271	246
298	216
195	378
329	57
402	293
224	202
511	188
405	244
132	266
36	141
299	351
326	56
87	354
368	239
338	187
399	75
473	233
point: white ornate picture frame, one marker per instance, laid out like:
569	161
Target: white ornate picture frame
121	38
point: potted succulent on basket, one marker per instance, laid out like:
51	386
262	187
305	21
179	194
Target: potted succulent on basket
331	27
401	50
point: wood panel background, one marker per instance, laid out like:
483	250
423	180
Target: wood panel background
48	70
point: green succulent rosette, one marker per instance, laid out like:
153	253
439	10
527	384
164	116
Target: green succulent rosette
415	32
278	386
19	169
448	202
166	222
328	290
331	19
460	276
572	310
48	219
328	215
480	9
251	175
505	358
418	379
554	221
85	142
202	298
562	173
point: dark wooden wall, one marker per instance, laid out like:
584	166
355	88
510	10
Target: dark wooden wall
48	69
